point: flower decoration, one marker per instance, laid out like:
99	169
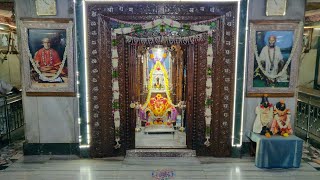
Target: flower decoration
210	40
65	54
158	105
114	42
115	74
162	28
213	24
132	105
186	26
285	67
208	102
164	55
209	72
129	28
156	56
137	28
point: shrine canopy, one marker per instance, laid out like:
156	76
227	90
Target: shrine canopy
164	31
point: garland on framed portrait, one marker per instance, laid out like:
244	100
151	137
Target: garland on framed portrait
47	51
274	48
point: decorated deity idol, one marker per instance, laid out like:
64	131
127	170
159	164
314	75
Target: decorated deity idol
264	116
281	121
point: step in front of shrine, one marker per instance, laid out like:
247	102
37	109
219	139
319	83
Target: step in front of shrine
161	153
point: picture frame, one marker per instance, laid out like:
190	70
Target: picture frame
276	7
46	7
274	50
307	39
47	55
8	40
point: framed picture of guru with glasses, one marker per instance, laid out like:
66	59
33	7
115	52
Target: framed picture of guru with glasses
273	58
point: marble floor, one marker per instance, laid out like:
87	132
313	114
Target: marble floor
72	167
174	139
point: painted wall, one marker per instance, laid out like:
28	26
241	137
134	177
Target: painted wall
257	9
48	119
10	70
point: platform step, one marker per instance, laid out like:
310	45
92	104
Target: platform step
162	161
161	153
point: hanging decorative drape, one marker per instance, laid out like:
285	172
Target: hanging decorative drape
168	40
200	27
208	89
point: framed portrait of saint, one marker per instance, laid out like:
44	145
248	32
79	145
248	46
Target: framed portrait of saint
48	58
273	58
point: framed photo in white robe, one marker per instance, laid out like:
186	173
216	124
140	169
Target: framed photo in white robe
274	50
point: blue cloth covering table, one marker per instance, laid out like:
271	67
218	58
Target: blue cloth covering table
277	151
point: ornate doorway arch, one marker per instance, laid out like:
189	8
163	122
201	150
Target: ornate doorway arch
111	120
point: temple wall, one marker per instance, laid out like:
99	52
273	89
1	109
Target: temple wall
51	125
295	12
53	120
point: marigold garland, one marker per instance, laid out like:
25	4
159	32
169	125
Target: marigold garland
199	27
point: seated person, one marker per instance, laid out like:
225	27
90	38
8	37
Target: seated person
281	121
48	61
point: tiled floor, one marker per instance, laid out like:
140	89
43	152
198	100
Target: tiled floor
175	139
149	168
72	167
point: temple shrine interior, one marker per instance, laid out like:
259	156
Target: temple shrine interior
216	78
160	122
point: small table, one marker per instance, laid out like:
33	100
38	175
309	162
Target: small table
277	151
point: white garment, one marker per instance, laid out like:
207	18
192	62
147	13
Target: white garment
5	87
272	58
264	118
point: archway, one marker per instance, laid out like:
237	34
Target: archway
208	118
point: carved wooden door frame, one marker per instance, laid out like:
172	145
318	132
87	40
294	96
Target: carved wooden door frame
100	74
